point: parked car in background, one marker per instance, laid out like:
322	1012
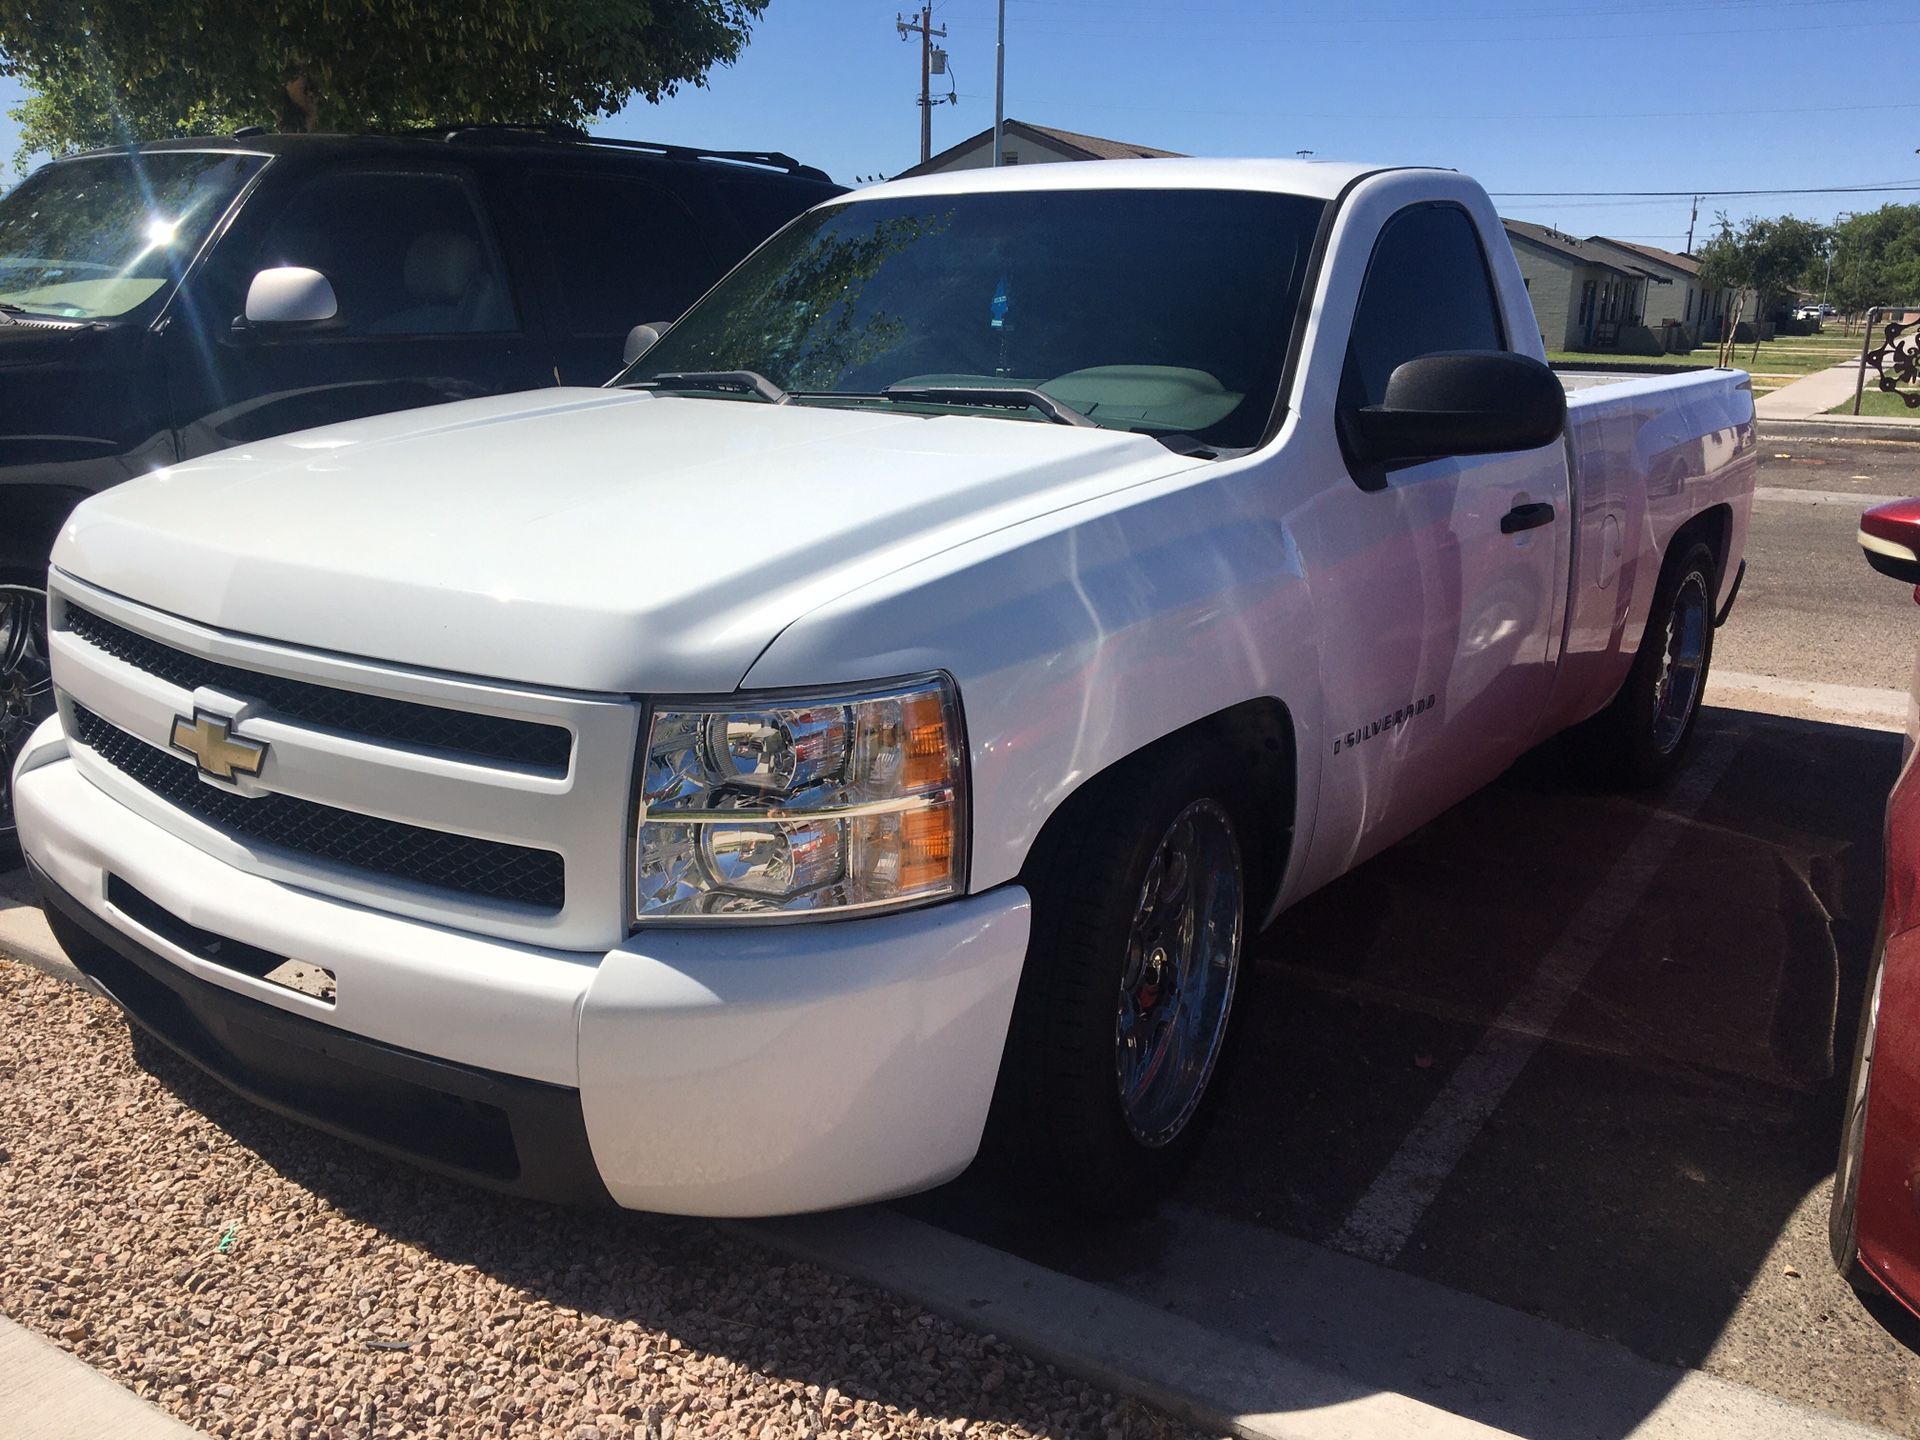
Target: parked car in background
890	708
1874	1224
163	302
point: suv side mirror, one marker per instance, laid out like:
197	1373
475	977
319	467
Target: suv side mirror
290	295
1461	402
1890	534
643	338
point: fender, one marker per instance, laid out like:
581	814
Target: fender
1079	638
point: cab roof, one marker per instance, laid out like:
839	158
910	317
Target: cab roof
1316	179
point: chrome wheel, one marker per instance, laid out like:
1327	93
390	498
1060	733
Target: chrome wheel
1183	961
1683	663
26	683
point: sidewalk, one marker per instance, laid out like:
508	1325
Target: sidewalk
47	1394
1810	398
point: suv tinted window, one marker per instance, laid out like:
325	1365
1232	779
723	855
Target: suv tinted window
624	251
1427	289
86	239
407	254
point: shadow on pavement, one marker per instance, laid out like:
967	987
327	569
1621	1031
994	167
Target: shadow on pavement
1656	1175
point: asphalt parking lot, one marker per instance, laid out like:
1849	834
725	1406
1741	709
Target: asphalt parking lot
1577	1054
1656	1170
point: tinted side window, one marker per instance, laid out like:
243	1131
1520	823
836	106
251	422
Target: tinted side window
407	254
763	206
624	251
1427	289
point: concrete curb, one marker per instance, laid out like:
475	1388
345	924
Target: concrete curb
47	1394
1293	1388
1206	1378
24	935
1851	427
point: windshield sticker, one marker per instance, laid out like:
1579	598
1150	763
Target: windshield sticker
999	306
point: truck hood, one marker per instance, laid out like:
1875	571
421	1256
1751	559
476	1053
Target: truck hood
579	539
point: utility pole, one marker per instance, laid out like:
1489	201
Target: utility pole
923	27
1690	219
1000	88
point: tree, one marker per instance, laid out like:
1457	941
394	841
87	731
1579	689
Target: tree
110	70
1762	256
1876	258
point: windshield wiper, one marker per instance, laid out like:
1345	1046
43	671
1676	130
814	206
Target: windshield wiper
999	397
722	382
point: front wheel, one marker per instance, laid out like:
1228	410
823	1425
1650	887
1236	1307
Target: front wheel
1641	737
1139	905
26	687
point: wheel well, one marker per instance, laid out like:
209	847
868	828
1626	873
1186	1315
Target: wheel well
34	515
1260	734
1714	525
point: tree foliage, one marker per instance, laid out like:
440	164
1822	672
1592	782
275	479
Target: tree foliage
1876	258
1767	256
99	71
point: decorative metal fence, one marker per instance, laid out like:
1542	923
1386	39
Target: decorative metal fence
1896	359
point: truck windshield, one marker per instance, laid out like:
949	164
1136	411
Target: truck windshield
95	238
1162	311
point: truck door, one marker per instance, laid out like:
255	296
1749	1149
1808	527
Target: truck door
427	311
1436	582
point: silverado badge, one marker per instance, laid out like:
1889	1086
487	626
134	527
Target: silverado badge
210	740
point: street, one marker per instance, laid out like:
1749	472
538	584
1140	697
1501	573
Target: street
1573	1053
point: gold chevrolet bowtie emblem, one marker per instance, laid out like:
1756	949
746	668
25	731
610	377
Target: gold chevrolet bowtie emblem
212	743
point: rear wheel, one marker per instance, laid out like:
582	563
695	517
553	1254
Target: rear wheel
26	685
1139	915
1640	738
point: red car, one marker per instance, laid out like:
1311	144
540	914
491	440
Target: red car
1875	1222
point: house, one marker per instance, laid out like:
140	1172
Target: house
1025	144
1681	298
1581	296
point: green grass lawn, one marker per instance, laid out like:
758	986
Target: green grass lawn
1790	356
1878	402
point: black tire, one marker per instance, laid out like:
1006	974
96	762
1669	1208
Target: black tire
1844	1213
26	692
1638	740
1059	1126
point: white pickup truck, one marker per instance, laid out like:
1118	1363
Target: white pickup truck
878	719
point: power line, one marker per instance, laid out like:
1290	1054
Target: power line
1068	29
1491	116
1897	185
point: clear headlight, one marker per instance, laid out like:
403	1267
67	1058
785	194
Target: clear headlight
802	807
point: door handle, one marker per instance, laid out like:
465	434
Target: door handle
1526	517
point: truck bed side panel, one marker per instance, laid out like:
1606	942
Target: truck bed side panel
1648	456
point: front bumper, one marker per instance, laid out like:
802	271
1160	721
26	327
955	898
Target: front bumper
696	1071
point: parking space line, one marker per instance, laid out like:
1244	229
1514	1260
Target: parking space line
1380	1223
1845	499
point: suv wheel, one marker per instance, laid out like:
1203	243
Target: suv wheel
26	686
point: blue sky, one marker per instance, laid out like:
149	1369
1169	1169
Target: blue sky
1555	95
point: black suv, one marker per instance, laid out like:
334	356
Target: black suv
160	302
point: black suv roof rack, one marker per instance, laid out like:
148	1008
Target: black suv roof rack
574	135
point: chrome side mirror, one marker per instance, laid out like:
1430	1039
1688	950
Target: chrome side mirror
290	295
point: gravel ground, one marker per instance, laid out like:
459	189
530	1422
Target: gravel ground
257	1279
